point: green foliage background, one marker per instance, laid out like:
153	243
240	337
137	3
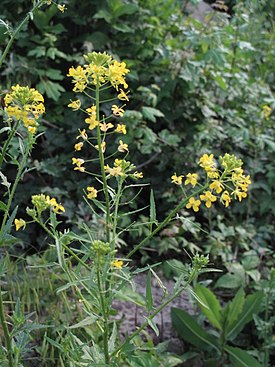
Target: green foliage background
195	88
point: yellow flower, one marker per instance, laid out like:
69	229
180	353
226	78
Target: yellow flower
266	112
225	198
116	73
177	179
206	160
82	135
194	204
117	264
138	175
209	198
92	192
92	122
115	171
217	186
122	95
61	8
19	223
122	147
103	146
78	162
105	127
192	178
121	128
91	110
75	105
117	111
239	194
78	146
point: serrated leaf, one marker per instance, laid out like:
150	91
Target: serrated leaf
213	309
190	331
241	358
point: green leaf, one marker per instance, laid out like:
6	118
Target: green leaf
153	219
230	281
190	331
153	325
149	296
235	307
240	358
52	90
9	223
113	338
251	306
151	113
221	82
213	309
85	322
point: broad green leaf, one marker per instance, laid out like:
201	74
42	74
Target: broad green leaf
230	281
251	306
149	296
3	206
213	309
240	358
190	331
151	113
235	307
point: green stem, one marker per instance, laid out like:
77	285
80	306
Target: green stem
5	330
7	142
115	215
158	310
17	179
18	29
165	221
101	159
105	317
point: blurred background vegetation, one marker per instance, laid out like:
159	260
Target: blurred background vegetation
197	86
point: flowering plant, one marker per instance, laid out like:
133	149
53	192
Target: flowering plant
106	273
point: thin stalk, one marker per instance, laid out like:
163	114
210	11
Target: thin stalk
165	221
5	330
7	143
105	317
101	159
118	196
159	309
17	179
18	29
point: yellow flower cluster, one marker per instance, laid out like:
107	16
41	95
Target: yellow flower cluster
122	168
25	104
101	69
42	202
225	183
266	112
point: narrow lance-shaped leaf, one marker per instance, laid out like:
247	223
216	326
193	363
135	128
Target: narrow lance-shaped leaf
251	306
241	358
213	309
149	296
191	332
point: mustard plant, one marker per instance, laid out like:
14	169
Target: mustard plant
90	260
23	108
